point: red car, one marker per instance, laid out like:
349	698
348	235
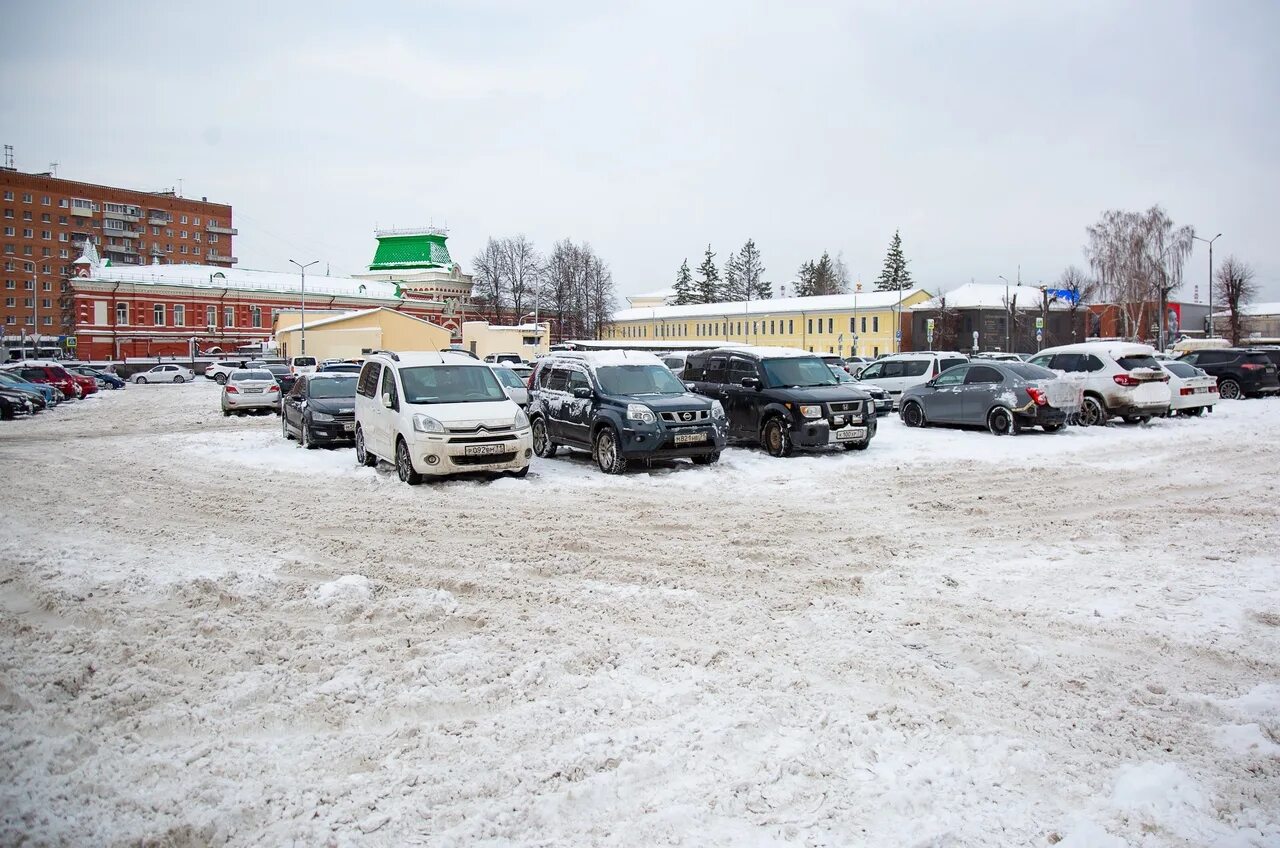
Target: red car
71	385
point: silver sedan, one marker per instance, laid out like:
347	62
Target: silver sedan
248	389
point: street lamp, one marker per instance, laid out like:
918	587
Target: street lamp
1210	243
303	270
1008	312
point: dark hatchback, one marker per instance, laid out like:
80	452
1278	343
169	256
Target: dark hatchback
783	399
1241	372
621	406
284	376
320	409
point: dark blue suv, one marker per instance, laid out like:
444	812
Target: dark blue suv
620	406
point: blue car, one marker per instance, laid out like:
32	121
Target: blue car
108	381
49	393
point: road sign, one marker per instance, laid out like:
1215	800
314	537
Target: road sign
71	341
898	335
1039	322
1039	336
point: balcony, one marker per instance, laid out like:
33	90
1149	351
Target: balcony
83	211
159	219
120	233
218	228
217	257
121	216
126	249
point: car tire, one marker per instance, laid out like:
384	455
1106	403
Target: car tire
776	438
1137	419
607	452
856	445
220	379
305	437
706	458
1001	422
362	454
1229	389
1051	428
140	380
542	444
226	413
179	379
1093	413
284	428
404	465
912	414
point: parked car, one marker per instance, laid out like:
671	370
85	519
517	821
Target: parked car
494	358
523	371
511	383
1191	391
833	359
855	364
436	414
621	406
1117	378
165	374
1004	397
50	374
998	356
249	389
103	379
218	371
320	409
675	360
13	404
783	399
299	365
1241	372
12	380
338	367
884	403
900	371
283	375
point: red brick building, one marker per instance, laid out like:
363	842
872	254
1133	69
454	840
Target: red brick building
45	222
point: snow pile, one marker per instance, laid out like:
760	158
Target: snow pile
349	587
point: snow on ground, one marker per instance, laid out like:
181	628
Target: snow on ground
950	639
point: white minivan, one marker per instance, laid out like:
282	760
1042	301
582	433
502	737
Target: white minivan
436	414
299	365
904	370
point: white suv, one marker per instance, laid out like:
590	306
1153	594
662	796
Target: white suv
300	365
904	370
1118	378
435	414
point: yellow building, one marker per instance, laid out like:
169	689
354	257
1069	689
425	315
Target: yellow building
528	340
353	334
861	324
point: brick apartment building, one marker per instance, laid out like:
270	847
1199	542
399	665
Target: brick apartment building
45	222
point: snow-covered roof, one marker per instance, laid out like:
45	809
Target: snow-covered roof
217	277
660	294
1253	310
821	303
347	316
991	296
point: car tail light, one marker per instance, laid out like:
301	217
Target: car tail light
1037	395
274	388
1186	391
1251	366
935	371
531	376
232	390
1125	380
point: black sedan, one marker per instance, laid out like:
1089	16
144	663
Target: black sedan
1004	397
320	409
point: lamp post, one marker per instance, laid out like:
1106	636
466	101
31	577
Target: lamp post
1008	312
1210	243
303	270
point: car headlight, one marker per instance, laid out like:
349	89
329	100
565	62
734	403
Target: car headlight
871	407
521	420
427	424
321	416
641	413
717	410
811	410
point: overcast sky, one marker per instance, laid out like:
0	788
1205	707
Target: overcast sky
990	133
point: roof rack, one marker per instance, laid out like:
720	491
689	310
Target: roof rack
390	354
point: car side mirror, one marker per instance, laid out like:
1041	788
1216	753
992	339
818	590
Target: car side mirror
689	386
386	400
750	382
582	391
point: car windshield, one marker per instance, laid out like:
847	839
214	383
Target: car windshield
1141	360
333	387
840	374
638	380
58	372
278	370
1027	371
798	371
1180	369
243	376
344	368
303	361
450	384
508	378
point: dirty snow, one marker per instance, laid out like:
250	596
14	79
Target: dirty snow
217	637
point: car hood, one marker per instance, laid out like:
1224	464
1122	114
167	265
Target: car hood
493	414
332	406
669	403
837	393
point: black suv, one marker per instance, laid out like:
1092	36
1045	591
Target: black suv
1241	372
620	405
783	398
320	408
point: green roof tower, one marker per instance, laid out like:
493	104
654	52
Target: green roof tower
414	249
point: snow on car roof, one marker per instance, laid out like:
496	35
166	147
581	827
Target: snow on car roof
597	358
1110	348
438	357
765	352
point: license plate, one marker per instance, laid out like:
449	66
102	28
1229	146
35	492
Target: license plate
852	434
483	450
350	426
690	438
253	391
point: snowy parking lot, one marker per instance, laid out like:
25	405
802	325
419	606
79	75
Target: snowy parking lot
211	635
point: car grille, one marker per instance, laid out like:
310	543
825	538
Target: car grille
466	440
688	416
490	459
844	408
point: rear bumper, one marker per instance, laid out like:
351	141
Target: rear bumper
1041	415
251	401
1139	409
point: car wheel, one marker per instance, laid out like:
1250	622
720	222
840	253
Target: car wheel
220	379
542	444
362	454
1229	389
1052	428
404	465
707	459
1092	412
608	455
1137	419
141	380
179	379
775	437
305	437
226	412
912	414
1001	422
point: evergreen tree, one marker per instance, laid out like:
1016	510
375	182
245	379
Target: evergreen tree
684	286
754	286
805	280
895	276
734	287
824	275
708	287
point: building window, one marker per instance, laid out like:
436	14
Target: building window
122	313
255	315
27	232
213	238
211	315
810	325
158	314
197	236
62	219
196	221
196	251
8	319
155	231
228	317
10	301
8	195
81	203
44	201
47	286
8	213
184	220
831	326
62	237
875	323
168	248
46	303
9	231
179	315
26	198
46	219
864	323
182	248
10	284
46	319
63	253
184	233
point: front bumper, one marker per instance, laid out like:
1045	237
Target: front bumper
661	440
822	432
340	430
440	455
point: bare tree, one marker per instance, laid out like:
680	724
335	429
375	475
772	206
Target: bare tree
1079	289
1235	281
946	325
521	273
1138	259
488	290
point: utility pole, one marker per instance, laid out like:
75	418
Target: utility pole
303	269
1210	243
1008	310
